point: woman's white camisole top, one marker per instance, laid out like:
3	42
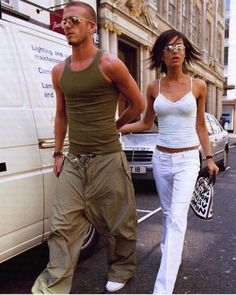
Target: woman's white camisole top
176	120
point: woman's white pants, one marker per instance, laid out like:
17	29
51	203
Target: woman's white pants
175	176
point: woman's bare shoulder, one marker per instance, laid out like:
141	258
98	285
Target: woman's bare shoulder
199	83
153	88
199	88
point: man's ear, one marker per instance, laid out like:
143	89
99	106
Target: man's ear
93	28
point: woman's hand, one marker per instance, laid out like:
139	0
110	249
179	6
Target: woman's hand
58	165
212	167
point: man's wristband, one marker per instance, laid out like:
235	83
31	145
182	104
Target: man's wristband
209	157
57	154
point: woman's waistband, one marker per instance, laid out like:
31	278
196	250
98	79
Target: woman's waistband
176	150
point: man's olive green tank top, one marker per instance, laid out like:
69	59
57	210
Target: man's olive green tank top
91	103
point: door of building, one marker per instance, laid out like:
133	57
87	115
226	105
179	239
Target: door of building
129	54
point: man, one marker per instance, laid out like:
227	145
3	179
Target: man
94	185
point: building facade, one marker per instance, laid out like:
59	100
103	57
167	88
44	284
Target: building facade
128	29
229	95
36	11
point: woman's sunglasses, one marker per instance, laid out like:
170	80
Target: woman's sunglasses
73	20
172	48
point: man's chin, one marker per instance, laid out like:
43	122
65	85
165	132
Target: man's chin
72	43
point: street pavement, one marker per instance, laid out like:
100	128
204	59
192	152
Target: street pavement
232	139
209	256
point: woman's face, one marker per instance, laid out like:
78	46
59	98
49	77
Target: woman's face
174	52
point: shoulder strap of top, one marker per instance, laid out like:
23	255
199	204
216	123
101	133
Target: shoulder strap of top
159	85
95	61
67	64
67	60
98	55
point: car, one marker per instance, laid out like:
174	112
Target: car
139	148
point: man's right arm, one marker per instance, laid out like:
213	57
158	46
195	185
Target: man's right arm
60	124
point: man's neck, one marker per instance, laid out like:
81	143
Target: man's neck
82	53
82	57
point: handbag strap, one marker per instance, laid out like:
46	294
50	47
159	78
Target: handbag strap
212	179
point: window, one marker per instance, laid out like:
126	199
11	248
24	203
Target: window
208	37
11	3
227	28
58	2
227	5
219	47
185	13
159	4
7	2
208	125
226	55
196	22
172	13
216	128
194	29
198	31
225	86
220	7
152	2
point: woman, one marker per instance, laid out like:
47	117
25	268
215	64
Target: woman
178	100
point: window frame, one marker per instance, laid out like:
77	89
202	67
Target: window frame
171	19
185	14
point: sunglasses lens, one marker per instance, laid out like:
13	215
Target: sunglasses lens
179	47
171	48
73	20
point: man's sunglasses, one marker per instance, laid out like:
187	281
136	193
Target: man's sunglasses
73	20
172	48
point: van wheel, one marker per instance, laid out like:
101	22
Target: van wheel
224	163
90	242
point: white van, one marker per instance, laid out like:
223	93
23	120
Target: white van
27	106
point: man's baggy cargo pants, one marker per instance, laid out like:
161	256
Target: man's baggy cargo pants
93	189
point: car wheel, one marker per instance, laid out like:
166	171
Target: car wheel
90	242
224	162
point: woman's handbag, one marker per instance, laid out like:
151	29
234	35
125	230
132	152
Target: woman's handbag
202	198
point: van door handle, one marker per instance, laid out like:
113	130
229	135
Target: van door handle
3	167
50	143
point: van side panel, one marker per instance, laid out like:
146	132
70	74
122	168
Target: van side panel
21	183
27	108
44	50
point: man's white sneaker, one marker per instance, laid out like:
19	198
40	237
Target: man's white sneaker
113	286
